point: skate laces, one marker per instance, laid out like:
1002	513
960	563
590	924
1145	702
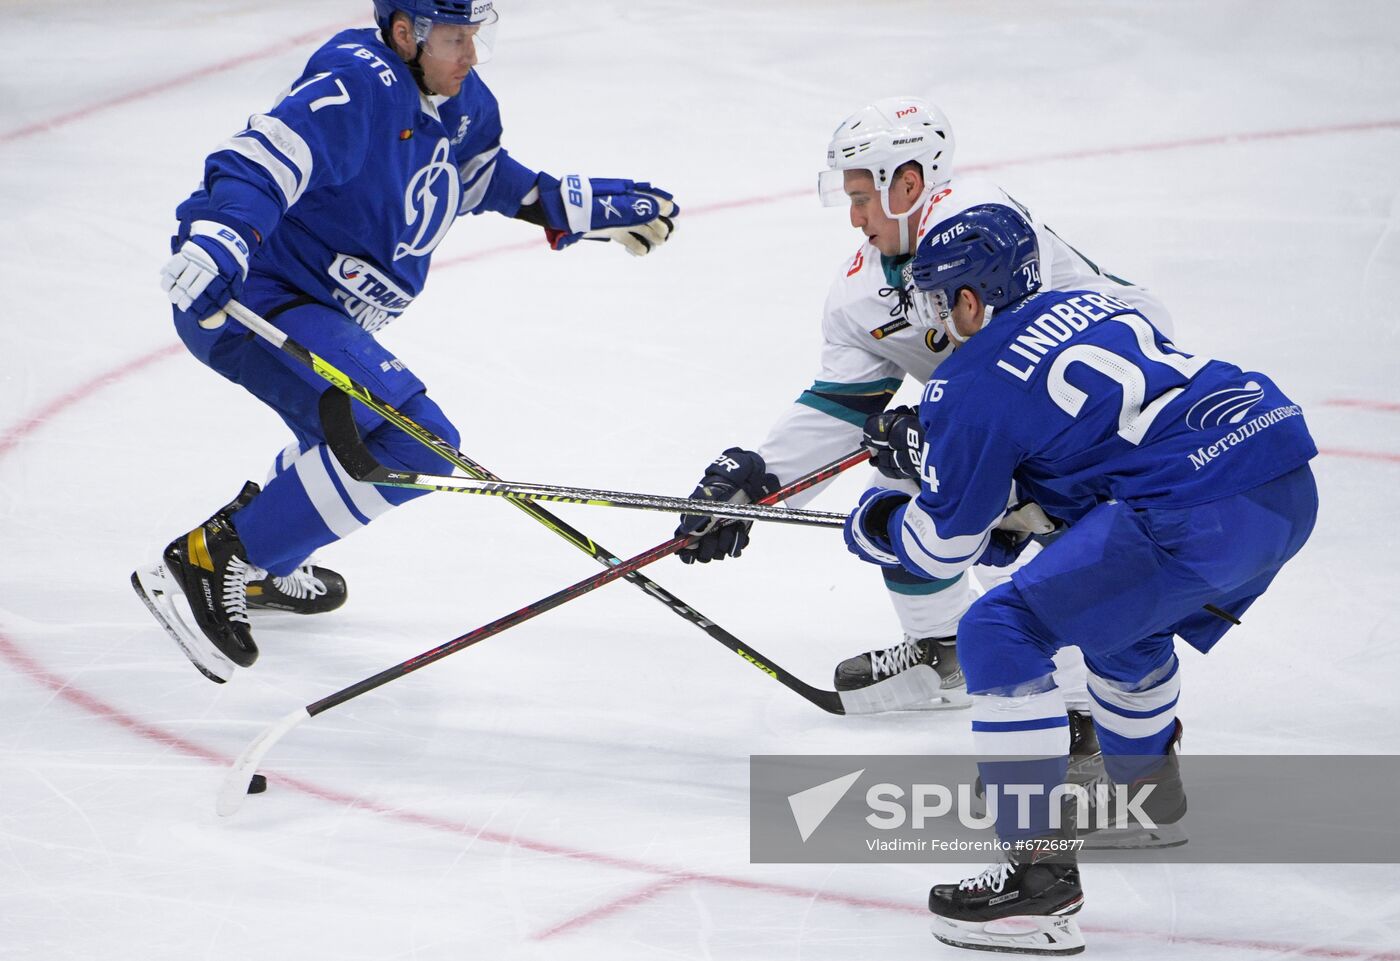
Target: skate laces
993	877
236	578
300	583
892	660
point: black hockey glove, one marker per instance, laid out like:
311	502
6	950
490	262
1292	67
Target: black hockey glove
736	476
895	439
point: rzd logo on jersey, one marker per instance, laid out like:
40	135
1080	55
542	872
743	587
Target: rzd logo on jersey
430	203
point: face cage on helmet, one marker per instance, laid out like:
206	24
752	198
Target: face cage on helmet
484	40
931	309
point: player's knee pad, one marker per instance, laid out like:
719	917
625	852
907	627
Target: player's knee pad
1002	646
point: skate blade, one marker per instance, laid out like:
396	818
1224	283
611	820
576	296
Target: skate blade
917	689
1023	934
167	604
1135	838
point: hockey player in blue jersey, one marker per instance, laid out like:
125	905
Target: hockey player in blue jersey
1184	484
892	165
322	216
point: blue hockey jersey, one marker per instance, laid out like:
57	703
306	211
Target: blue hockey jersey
352	179
1078	400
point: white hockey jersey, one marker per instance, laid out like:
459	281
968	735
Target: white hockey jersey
869	345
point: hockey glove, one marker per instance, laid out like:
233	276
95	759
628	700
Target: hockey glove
736	476
1023	524
895	439
208	269
867	528
636	215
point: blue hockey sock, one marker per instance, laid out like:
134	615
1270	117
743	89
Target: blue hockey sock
1034	728
309	503
1135	722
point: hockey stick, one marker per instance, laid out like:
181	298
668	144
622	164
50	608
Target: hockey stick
235	784
343	438
902	691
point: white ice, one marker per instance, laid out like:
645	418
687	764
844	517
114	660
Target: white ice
576	787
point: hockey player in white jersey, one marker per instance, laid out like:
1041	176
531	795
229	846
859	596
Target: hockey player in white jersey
892	163
1185	485
322	215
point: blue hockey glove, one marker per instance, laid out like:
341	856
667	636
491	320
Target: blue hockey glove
1023	524
867	527
895	439
636	215
208	269
736	476
1004	548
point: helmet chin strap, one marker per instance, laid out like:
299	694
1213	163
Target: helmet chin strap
951	328
908	221
415	67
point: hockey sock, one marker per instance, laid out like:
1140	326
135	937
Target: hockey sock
929	608
310	502
1035	729
1135	721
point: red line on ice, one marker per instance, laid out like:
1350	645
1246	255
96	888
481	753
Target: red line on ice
151	90
1360	454
1389	407
616	906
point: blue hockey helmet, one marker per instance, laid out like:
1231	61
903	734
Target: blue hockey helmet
425	13
438	11
989	248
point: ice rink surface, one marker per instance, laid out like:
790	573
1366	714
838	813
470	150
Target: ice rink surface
575	788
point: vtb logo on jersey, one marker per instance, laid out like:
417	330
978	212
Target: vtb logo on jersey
430	203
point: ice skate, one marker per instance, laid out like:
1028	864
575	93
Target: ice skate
197	593
1164	806
915	675
1024	905
310	589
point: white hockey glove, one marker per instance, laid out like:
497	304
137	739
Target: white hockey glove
638	216
207	271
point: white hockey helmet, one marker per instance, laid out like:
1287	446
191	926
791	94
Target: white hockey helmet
882	137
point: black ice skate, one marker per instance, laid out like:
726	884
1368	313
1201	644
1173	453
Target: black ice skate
309	589
197	594
1024	905
915	675
1164	805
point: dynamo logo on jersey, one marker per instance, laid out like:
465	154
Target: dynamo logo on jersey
1227	406
430	203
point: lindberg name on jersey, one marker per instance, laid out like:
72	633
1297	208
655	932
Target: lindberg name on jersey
1057	325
